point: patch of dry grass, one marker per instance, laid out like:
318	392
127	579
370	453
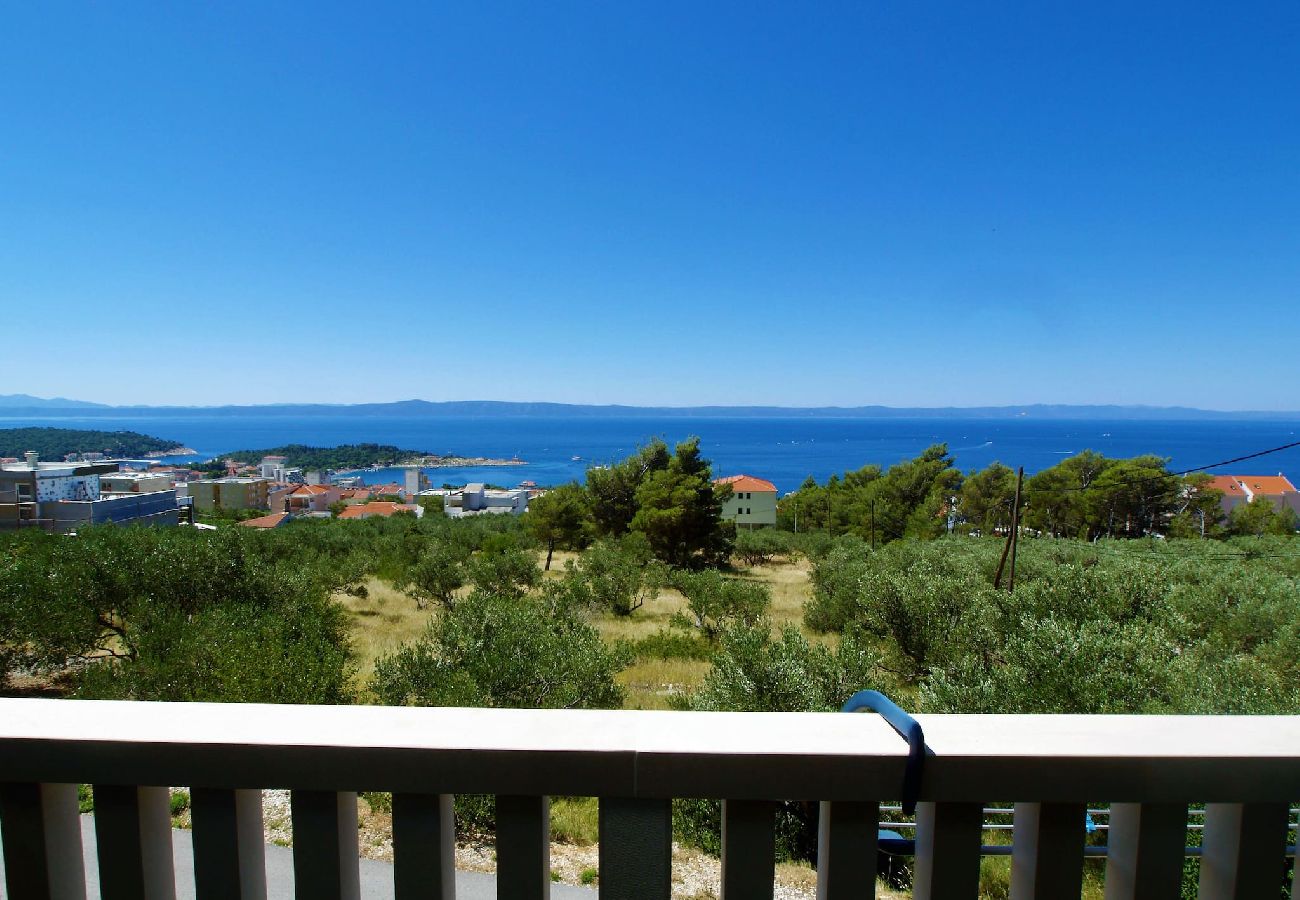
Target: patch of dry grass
653	616
791	586
380	623
652	683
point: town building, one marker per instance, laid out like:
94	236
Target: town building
60	497
477	499
271	467
274	520
752	501
134	482
305	499
382	508
230	493
1238	489
414	480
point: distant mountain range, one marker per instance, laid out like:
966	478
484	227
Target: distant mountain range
23	405
22	401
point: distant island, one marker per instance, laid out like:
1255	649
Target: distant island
361	456
53	444
32	406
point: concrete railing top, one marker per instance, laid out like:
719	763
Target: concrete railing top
631	753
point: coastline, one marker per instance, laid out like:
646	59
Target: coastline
440	462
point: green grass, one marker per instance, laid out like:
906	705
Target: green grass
575	820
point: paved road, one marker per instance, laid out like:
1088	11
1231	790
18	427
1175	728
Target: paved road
376	877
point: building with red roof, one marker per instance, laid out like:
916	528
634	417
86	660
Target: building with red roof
752	501
382	508
274	520
1238	489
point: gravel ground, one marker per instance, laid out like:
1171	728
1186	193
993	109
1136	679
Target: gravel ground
696	875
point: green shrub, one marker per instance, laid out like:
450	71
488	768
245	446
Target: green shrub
506	651
671	645
715	603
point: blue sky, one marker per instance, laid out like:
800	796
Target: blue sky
661	203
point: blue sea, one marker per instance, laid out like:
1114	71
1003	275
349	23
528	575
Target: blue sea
783	450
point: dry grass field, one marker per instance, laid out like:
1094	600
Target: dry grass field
381	622
387	618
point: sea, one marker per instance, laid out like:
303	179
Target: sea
785	451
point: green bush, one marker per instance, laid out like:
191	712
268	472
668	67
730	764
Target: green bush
715	603
671	645
757	546
172	614
507	651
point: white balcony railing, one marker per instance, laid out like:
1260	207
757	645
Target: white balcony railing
1148	769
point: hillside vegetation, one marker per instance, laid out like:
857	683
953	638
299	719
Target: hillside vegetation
344	456
54	444
652	601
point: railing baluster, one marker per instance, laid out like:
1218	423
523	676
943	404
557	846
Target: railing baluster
748	849
523	847
424	847
1243	850
133	835
1047	850
846	850
1144	851
326	862
229	846
947	851
636	849
42	842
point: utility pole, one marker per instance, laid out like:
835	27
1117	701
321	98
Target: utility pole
1009	546
1015	530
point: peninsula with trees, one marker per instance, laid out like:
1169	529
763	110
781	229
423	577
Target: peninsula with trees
363	456
58	443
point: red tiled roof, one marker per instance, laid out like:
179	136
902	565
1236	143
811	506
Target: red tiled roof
1267	485
274	520
1271	485
747	483
375	508
308	490
1227	484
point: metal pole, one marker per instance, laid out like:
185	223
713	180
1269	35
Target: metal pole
1015	530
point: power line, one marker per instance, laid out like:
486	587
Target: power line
1158	475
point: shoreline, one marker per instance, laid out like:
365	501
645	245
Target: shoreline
439	462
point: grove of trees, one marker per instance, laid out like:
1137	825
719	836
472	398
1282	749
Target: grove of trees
1086	496
666	497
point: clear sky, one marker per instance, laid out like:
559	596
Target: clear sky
663	203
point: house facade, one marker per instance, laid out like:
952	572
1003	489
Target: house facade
229	493
752	501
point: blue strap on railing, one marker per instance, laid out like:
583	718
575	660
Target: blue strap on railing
908	728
